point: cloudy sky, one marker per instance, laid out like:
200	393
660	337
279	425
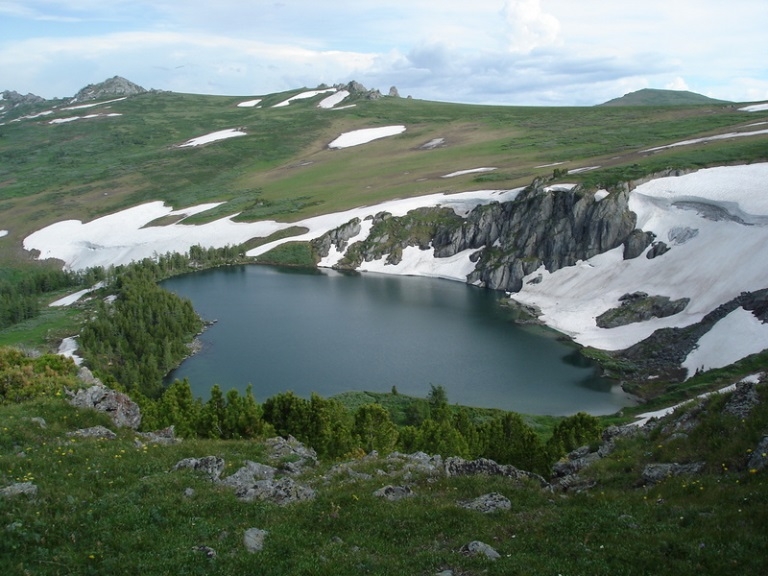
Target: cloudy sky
532	52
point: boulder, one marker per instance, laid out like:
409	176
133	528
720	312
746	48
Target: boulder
743	400
655	473
248	475
293	454
281	492
164	436
211	466
393	493
19	488
98	432
759	458
477	548
456	466
253	539
123	411
487	503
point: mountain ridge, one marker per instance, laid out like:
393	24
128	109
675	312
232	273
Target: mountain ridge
660	97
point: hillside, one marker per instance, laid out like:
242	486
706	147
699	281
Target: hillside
654	192
81	494
657	97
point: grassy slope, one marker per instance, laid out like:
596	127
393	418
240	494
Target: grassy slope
113	507
283	169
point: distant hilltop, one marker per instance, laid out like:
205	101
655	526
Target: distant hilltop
655	97
115	86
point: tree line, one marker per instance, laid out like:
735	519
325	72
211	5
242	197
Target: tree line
334	431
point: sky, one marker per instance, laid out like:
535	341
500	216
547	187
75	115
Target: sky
515	52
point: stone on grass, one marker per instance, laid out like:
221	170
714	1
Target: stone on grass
25	488
393	493
97	432
281	492
477	548
487	503
211	466
254	539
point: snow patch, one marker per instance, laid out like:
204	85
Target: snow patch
249	103
418	262
755	107
213	137
708	139
68	347
583	169
303	96
470	171
87	117
72	298
365	135
711	267
732	338
645	417
601	195
92	105
3	233
333	99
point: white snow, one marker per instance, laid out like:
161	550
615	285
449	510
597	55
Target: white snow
708	139
365	135
213	137
68	347
87	117
3	233
732	338
470	171
601	195
755	107
92	105
711	264
549	165
72	298
303	96
711	261
249	103
333	99
644	418
583	169
123	237
417	262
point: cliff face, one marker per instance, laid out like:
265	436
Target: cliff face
549	227
545	226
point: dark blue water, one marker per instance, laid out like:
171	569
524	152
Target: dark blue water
329	332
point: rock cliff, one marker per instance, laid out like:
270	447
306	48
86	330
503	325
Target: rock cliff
544	226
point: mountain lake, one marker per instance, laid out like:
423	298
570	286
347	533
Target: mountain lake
329	332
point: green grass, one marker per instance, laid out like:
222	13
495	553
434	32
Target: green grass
114	507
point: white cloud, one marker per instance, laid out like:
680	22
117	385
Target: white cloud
529	26
677	84
487	51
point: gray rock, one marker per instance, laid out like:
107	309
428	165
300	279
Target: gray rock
574	462
115	86
165	436
655	473
248	475
211	466
487	503
456	466
123	411
189	492
572	483
293	454
207	550
19	488
281	492
636	243
253	539
477	548
39	421
393	493
98	432
743	399
759	458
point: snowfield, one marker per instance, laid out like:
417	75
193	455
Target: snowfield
755	107
303	96
470	171
3	233
213	137
715	222
249	103
365	135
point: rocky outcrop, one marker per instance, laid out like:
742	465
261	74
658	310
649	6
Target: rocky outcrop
393	493
123	411
477	548
541	227
487	503
337	237
113	87
655	473
662	353
639	307
13	99
456	466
